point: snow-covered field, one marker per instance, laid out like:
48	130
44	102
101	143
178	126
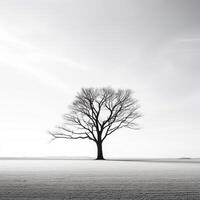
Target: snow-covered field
91	179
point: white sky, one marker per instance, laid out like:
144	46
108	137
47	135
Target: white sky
50	49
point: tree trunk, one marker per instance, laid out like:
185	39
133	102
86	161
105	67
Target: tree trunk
99	151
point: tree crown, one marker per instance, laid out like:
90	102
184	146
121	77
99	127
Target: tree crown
96	113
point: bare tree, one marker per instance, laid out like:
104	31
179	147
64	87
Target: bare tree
96	113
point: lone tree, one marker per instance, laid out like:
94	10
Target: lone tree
96	113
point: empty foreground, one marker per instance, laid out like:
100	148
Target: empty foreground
91	179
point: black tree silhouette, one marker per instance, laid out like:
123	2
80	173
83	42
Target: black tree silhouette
96	113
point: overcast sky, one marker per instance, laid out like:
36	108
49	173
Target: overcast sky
49	49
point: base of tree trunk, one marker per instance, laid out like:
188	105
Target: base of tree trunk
99	151
100	159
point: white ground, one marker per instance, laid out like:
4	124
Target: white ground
91	179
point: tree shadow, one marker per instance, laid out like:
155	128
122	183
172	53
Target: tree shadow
175	160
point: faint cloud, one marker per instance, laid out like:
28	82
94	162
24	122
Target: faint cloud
21	55
189	40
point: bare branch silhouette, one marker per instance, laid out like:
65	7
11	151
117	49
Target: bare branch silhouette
96	113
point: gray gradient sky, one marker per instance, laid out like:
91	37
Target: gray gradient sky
50	49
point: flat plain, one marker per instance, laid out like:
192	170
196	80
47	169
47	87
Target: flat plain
156	179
